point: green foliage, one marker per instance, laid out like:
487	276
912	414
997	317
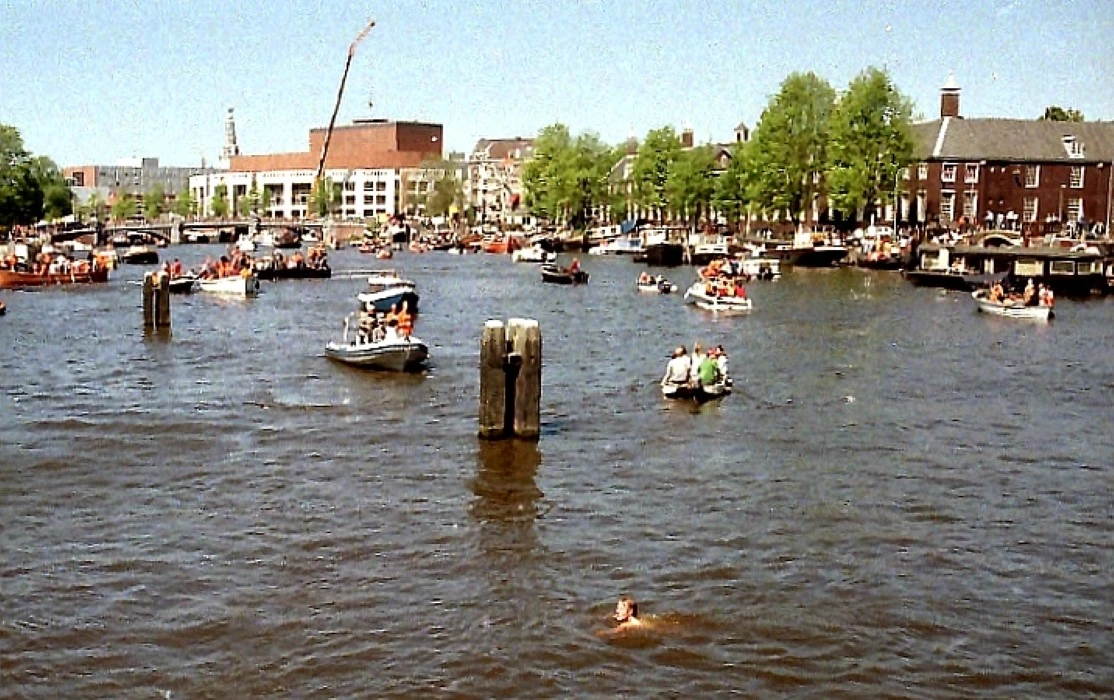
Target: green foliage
219	205
21	193
243	205
1057	113
870	144
124	207
325	196
266	197
184	204
652	166
154	202
787	154
567	178
731	196
96	207
689	187
57	197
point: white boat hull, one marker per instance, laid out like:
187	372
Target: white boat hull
662	288
723	305
236	285
403	355
1011	310
533	255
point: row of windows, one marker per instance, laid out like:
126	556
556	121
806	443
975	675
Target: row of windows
1073	210
949	171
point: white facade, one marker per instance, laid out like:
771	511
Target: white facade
365	194
493	181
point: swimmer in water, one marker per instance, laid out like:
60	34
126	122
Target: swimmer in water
626	614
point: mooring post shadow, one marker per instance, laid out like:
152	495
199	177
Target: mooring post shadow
156	301
511	379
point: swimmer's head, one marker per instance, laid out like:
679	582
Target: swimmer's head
626	609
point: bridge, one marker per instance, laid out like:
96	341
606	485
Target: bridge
173	232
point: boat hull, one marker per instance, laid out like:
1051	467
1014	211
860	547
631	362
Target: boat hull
662	255
10	279
390	356
384	300
697	393
237	286
183	285
1008	310
659	288
554	275
293	273
722	305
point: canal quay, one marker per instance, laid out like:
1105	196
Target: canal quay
902	497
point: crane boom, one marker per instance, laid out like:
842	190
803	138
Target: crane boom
340	93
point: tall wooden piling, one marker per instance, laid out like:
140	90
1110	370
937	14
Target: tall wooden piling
493	380
510	380
156	301
525	341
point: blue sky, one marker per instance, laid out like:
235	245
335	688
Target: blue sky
95	81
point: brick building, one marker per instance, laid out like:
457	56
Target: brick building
1029	175
376	162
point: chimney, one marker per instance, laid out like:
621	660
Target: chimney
949	98
686	138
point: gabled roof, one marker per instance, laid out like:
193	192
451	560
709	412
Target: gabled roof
1012	140
498	149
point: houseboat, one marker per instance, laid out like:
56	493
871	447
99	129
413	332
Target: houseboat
1074	272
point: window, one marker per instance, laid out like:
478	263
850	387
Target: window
1075	209
922	171
947	206
907	174
1032	175
971	172
947	173
1030	213
970	204
1077	176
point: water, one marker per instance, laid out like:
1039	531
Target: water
902	498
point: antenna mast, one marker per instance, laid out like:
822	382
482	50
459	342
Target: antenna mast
340	93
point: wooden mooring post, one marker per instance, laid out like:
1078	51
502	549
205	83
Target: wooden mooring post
511	379
156	301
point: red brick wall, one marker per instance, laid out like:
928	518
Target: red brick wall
379	145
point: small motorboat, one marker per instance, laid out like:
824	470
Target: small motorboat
232	285
657	285
1010	308
393	354
561	275
534	254
695	392
698	296
386	289
183	284
140	255
297	272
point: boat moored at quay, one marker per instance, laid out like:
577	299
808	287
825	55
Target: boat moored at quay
1075	272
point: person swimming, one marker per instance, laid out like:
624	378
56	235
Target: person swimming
626	613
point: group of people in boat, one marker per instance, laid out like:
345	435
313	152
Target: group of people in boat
698	369
315	258
645	279
732	269
375	326
53	264
1032	295
725	287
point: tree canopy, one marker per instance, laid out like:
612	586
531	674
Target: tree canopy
154	202
219	204
652	165
1056	113
870	145
567	178
30	187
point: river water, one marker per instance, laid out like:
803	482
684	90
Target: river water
902	498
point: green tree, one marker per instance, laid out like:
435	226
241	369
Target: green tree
253	197
243	205
219	205
787	153
325	196
21	195
1056	113
691	184
566	180
96	206
57	197
732	196
154	202
184	204
124	207
871	143
652	165
266	196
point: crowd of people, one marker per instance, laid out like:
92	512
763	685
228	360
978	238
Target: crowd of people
375	326
53	264
698	369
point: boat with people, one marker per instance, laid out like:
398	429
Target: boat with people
183	284
78	272
244	284
554	274
699	377
313	265
717	297
140	255
655	284
1012	308
394	355
534	254
386	288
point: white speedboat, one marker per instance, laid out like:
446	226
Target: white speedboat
245	245
1010	309
233	285
386	289
183	284
533	254
623	245
393	355
657	286
698	296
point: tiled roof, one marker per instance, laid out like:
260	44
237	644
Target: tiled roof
1012	140
498	149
